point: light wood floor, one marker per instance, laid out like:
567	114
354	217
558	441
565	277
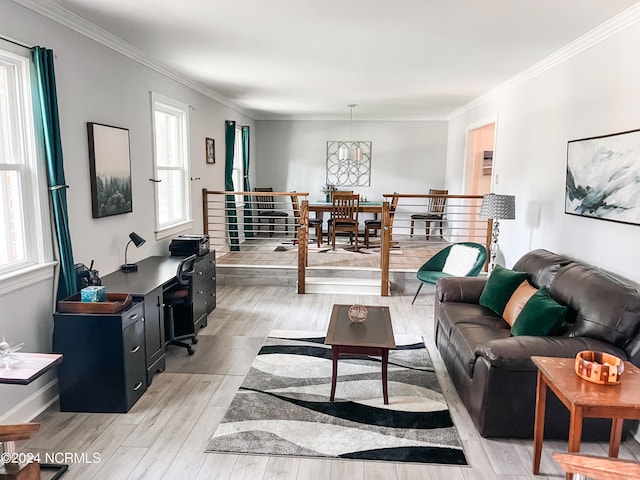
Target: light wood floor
409	253
166	432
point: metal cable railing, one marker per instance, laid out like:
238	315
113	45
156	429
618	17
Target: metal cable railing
250	226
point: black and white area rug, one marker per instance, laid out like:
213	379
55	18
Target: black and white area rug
283	407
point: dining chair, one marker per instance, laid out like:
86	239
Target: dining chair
376	223
435	212
266	209
344	216
313	222
331	195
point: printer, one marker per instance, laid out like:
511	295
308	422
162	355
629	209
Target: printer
185	245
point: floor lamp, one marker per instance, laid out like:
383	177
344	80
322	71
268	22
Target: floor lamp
497	207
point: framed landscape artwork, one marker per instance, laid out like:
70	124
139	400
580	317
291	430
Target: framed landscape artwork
603	177
110	170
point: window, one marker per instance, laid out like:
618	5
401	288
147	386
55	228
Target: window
171	158
24	214
238	165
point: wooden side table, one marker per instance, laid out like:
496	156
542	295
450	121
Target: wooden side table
584	399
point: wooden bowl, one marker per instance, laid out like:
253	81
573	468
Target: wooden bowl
599	367
357	313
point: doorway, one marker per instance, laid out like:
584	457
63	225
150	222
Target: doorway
479	164
479	160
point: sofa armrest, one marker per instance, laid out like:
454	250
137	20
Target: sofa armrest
515	353
460	289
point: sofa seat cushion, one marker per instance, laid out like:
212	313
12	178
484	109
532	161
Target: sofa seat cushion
466	338
453	313
466	327
514	353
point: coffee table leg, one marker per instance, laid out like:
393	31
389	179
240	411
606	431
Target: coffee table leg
334	376
616	435
538	429
385	362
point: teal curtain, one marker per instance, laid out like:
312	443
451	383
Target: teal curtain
230	200
248	207
46	86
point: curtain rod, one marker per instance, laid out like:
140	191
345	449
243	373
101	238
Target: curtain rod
15	42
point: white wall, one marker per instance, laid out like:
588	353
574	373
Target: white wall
593	93
407	157
96	84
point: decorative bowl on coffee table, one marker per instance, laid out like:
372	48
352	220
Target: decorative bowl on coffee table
599	367
357	313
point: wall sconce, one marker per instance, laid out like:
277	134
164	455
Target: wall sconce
137	241
497	207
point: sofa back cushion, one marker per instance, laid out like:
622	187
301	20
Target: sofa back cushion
600	306
542	266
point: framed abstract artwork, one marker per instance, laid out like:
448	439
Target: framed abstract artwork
210	150
603	177
110	170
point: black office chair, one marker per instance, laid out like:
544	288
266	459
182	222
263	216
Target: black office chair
179	295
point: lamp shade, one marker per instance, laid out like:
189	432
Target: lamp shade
498	207
136	239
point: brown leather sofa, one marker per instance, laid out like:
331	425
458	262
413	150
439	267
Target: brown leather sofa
492	370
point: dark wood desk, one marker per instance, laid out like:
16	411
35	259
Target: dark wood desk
154	275
372	337
584	399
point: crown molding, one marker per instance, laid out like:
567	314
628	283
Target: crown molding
74	22
611	27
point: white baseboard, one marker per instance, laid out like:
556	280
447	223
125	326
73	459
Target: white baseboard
33	405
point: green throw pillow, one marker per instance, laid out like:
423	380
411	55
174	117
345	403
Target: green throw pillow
539	315
500	286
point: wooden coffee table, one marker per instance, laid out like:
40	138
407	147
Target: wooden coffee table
584	399
372	337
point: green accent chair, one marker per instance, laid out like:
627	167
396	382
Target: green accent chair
431	271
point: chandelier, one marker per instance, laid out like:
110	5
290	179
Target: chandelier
350	150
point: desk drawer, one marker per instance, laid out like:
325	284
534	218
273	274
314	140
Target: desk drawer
135	372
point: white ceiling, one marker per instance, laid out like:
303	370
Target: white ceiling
402	59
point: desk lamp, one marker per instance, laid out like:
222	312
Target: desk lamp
137	241
497	207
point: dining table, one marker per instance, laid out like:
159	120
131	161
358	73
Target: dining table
320	208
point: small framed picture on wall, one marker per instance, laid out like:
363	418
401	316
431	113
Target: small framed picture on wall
210	149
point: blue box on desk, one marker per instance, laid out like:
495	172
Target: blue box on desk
93	293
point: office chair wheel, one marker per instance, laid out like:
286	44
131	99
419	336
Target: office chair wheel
194	340
190	350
